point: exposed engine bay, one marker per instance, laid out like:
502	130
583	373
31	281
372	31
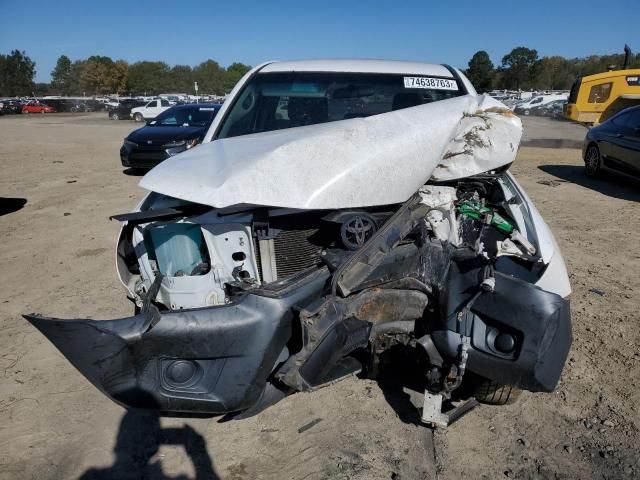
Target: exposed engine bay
212	255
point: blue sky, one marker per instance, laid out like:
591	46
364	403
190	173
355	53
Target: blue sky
254	31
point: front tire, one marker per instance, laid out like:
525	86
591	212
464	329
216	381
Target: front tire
115	116
592	161
493	393
138	117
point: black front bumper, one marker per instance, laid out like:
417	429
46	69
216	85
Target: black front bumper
230	358
142	156
211	360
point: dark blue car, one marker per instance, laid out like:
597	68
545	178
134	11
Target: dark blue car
173	131
614	144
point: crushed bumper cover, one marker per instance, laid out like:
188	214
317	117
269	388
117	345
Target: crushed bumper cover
538	321
211	360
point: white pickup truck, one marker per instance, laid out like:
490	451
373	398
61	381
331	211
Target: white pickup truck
150	110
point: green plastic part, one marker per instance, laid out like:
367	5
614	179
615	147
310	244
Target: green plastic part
480	212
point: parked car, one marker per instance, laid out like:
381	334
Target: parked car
524	108
614	144
113	103
552	109
68	105
338	213
123	110
35	106
555	109
173	131
151	110
12	106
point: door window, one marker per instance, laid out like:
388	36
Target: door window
600	93
622	120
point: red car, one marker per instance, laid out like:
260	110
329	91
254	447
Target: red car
37	107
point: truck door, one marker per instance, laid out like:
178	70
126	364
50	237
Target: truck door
149	110
155	109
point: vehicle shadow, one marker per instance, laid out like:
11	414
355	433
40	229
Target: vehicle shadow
10	205
400	401
138	441
610	183
397	379
135	172
552	143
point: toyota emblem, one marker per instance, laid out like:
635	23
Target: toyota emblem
357	229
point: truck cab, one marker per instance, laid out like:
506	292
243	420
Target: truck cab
595	98
151	110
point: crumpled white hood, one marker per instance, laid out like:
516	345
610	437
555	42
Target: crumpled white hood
378	160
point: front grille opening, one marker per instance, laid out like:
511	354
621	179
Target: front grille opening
299	242
295	251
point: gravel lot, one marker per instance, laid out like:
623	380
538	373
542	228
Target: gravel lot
57	258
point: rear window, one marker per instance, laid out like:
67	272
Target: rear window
274	101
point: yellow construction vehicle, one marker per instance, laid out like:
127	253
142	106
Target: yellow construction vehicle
595	98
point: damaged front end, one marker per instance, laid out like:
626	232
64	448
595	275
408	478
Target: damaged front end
239	307
404	232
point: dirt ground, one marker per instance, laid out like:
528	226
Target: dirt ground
57	258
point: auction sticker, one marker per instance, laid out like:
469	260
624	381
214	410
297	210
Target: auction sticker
430	82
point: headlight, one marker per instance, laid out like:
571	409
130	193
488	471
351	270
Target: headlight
185	144
180	143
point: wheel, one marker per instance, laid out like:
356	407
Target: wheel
138	117
592	164
42	111
526	112
115	116
493	393
25	111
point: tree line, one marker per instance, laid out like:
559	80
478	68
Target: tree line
521	69
100	75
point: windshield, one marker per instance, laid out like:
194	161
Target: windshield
274	101
191	116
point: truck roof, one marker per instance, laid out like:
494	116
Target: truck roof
612	73
359	66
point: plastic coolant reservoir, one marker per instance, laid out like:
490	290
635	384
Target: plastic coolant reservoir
178	248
